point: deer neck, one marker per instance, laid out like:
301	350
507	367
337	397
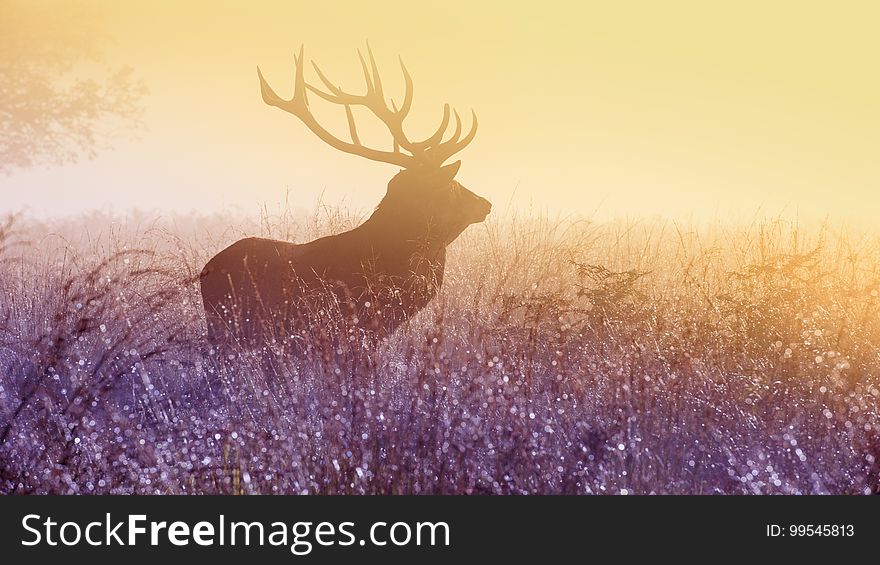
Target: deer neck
403	247
405	236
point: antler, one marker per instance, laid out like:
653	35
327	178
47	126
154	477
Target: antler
431	151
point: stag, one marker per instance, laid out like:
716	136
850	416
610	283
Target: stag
373	277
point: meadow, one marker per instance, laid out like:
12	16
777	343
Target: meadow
562	356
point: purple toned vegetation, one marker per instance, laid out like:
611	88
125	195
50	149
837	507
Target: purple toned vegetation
560	357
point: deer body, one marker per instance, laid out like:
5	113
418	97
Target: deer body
263	280
374	276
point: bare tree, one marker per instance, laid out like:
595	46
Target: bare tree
59	101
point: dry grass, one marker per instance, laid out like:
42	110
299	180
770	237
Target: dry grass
561	357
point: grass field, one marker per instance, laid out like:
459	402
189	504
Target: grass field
562	356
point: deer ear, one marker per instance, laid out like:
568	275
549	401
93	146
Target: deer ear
446	173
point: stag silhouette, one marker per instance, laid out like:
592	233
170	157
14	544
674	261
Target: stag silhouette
374	276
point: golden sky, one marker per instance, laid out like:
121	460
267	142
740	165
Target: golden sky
677	108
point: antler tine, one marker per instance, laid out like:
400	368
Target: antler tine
352	128
299	87
377	79
408	97
394	139
330	86
457	133
447	149
438	135
367	78
269	95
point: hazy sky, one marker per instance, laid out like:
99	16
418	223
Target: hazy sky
675	108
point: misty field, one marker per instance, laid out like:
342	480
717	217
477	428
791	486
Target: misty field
561	356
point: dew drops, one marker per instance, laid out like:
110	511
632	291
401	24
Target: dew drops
718	366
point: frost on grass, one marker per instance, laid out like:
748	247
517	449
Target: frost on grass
559	358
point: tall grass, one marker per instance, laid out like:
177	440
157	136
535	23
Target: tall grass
560	357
